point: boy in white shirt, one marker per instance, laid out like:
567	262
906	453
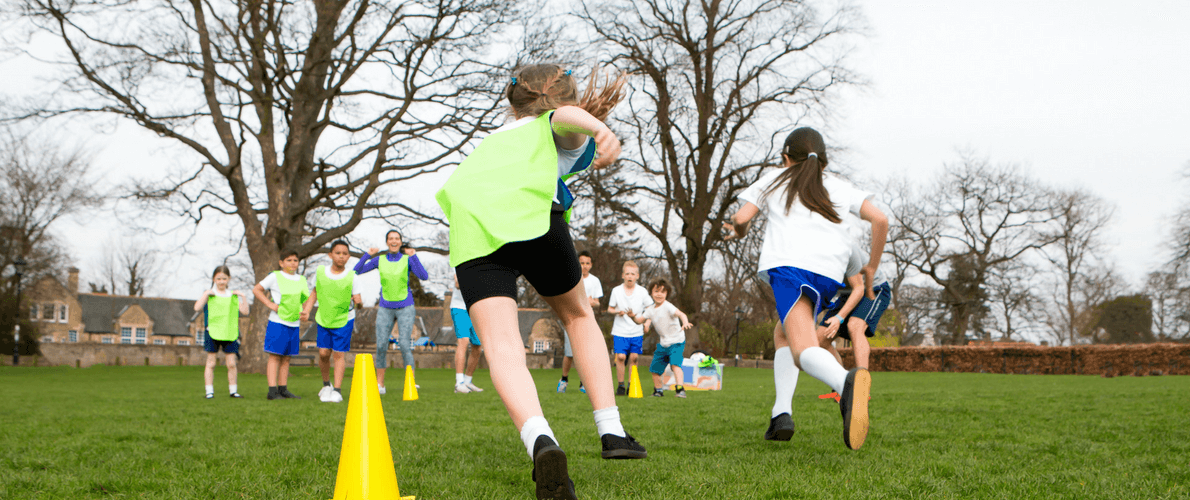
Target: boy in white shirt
627	335
336	291
594	289
671	324
286	291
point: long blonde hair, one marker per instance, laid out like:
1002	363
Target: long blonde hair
539	88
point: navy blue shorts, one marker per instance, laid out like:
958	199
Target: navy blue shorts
337	339
790	284
281	340
868	310
228	346
627	345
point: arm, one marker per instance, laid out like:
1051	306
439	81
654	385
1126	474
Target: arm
309	304
367	262
243	302
202	301
636	318
359	301
415	266
857	292
740	221
685	320
879	221
571	125
263	298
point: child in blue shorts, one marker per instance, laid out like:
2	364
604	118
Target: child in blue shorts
627	335
287	291
337	293
467	340
671	325
858	311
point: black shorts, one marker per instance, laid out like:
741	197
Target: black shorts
548	262
228	346
868	310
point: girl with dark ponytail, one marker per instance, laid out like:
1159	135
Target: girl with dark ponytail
803	258
221	309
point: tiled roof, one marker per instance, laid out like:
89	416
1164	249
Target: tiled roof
170	316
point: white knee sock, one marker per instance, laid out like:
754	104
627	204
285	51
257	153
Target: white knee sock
785	379
210	389
819	363
466	379
607	421
534	428
232	388
458	378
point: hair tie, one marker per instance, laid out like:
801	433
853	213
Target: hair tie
514	80
812	154
568	72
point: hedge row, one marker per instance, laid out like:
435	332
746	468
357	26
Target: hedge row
1106	360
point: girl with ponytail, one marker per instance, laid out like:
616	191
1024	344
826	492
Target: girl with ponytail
507	204
221	309
803	258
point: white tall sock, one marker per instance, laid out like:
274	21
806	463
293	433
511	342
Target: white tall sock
533	428
233	389
466	379
785	379
607	421
210	389
819	363
458	378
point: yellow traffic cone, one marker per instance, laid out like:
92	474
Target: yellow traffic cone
634	390
366	460
410	385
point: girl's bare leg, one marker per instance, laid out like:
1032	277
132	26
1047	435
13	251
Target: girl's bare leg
586	340
495	320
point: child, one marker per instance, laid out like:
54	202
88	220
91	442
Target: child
670	323
396	300
627	335
287	292
466	336
337	293
594	290
803	258
221	309
506	204
860	313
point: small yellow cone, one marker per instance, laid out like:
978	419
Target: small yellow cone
634	390
410	385
366	460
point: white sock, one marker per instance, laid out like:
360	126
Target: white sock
534	428
466	379
459	378
607	421
785	379
819	363
233	388
210	389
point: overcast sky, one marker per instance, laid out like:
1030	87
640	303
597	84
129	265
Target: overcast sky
1094	94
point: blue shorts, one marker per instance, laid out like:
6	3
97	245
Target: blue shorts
463	327
667	355
337	339
281	340
868	310
627	345
790	284
228	346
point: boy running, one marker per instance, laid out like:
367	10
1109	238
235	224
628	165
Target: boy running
594	292
860	313
337	293
671	325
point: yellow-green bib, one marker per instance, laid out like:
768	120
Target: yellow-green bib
394	278
334	299
502	192
223	317
293	294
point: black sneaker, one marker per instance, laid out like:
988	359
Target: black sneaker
622	447
780	428
274	394
853	403
621	391
236	395
549	470
284	391
657	393
681	392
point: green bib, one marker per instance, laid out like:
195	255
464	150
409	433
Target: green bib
394	278
502	192
223	317
334	299
293	294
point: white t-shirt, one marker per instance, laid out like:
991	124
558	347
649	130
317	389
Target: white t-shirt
665	319
801	238
269	284
570	161
593	287
456	299
217	293
623	326
331	275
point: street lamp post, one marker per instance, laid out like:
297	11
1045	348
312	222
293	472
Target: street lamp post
19	267
739	314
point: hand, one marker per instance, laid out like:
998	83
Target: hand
832	327
241	294
607	148
687	326
273	306
410	251
305	316
729	231
869	276
621	313
373	251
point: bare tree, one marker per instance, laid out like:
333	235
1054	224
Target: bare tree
1095	285
976	217
299	117
128	267
1080	218
1015	302
718	80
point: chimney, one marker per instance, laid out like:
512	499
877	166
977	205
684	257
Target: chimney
72	280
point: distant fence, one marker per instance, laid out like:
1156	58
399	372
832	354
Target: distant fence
1108	360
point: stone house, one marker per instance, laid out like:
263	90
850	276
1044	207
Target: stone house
62	314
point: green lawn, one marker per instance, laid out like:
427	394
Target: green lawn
146	432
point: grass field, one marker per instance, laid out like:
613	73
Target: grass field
146	432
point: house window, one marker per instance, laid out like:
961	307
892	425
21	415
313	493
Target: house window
126	334
107	340
125	340
183	342
140	333
540	345
33	312
47	339
198	338
47	312
158	342
62	314
73	336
